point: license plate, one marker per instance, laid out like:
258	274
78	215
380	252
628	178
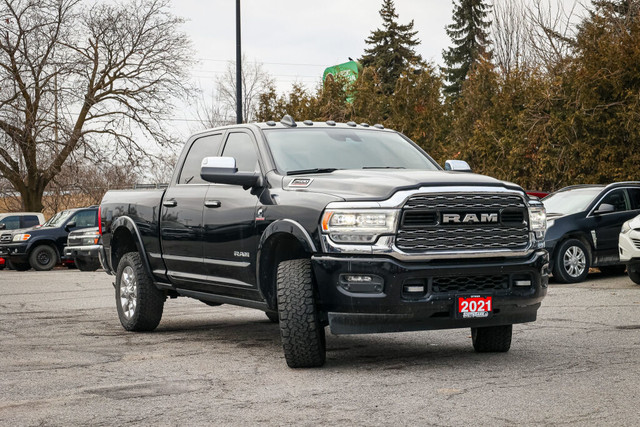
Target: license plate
471	307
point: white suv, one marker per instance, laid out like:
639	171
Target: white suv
629	247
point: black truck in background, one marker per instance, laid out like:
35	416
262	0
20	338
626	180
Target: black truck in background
326	224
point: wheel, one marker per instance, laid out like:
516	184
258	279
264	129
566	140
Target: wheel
634	274
492	339
272	316
302	333
571	262
87	265
43	258
613	270
138	301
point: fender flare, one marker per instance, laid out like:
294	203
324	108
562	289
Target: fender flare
292	227
130	225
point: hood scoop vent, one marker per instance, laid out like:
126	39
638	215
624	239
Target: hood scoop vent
301	182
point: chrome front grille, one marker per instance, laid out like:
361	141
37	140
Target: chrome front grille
421	228
464	201
5	238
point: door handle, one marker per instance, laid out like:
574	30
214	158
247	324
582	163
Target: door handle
212	203
170	203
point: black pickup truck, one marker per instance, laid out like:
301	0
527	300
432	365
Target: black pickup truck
346	225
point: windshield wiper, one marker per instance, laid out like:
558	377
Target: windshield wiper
383	167
315	170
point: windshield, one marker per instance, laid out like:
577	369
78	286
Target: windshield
571	201
327	149
58	219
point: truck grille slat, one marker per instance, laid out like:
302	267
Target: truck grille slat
420	229
470	283
5	238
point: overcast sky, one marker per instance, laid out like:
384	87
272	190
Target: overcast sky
297	40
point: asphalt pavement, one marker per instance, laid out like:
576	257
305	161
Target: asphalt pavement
65	360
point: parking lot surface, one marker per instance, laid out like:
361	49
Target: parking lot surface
65	360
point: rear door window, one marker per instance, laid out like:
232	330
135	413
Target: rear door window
634	197
206	146
29	221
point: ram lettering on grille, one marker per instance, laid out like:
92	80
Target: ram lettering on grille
485	222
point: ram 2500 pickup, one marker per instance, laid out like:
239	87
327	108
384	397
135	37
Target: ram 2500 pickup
348	225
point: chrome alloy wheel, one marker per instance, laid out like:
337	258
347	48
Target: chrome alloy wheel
128	292
575	261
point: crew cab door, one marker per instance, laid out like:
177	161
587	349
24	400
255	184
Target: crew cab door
181	226
230	240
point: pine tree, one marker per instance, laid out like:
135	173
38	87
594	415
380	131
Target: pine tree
392	48
469	34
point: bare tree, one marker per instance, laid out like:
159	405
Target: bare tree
510	31
552	30
95	78
255	81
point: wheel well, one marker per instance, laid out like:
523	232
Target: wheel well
42	243
279	247
122	242
578	236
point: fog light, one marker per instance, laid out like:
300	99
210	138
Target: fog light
413	289
522	283
362	283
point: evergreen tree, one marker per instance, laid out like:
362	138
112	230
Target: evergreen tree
469	34
392	48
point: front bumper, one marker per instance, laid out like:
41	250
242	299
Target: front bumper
15	252
386	306
82	252
629	247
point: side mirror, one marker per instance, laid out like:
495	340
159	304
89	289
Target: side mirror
3	226
70	225
457	165
604	208
223	170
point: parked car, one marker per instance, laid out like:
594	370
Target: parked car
43	247
629	247
17	220
83	247
538	194
583	224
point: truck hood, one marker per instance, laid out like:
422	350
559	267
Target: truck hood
380	184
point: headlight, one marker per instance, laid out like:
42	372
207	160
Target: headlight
88	238
538	221
626	227
21	237
358	225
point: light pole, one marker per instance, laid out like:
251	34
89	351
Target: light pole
238	67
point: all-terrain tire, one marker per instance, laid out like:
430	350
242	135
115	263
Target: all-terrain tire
302	333
86	265
634	274
43	258
492	339
572	262
138	301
